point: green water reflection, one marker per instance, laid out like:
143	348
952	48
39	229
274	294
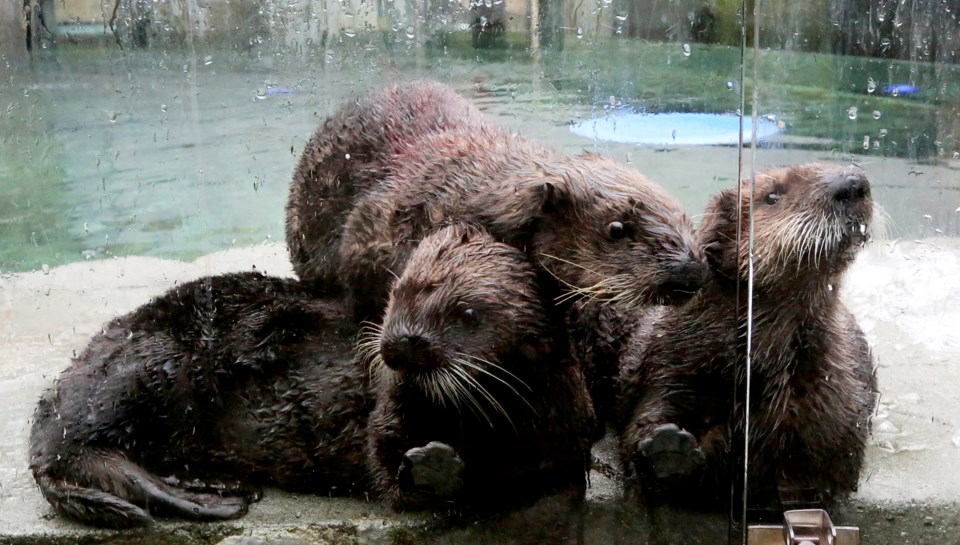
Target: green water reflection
179	152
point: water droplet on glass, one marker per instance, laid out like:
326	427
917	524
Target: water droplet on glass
871	85
881	16
208	60
829	287
887	427
579	33
852	112
895	91
613	101
45	268
883	133
261	95
346	156
731	85
876	114
163	108
686	50
866	141
956	155
410	33
349	32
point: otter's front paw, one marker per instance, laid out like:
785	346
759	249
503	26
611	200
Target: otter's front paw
435	469
670	453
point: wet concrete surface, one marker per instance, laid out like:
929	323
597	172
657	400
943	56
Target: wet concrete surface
904	294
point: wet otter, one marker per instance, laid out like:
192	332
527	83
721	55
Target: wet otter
471	358
812	387
226	383
349	154
428	157
230	382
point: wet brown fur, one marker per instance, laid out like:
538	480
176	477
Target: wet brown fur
476	309
813	387
348	155
187	405
459	167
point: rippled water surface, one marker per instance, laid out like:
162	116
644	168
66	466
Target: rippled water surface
177	154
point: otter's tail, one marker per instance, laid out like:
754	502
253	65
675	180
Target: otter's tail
107	490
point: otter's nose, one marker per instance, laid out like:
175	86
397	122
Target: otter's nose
683	279
408	352
850	187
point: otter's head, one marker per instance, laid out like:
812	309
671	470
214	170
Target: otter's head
609	234
463	321
807	218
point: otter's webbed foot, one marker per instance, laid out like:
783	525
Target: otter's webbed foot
232	487
434	469
670	453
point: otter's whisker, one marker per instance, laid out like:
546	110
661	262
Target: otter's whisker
476	386
571	263
464	385
480	369
472	358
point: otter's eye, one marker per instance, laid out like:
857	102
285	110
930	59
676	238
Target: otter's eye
773	198
616	230
469	316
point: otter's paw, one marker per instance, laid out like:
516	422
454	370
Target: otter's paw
670	453
435	469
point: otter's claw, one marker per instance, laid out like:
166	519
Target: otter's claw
671	452
435	468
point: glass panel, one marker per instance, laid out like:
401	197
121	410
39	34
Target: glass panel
870	88
149	143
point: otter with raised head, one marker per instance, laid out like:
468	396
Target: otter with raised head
812	387
185	406
478	401
599	228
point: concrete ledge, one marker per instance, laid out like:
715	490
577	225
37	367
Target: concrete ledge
904	294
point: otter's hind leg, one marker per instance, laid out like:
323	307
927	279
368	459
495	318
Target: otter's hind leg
120	494
91	506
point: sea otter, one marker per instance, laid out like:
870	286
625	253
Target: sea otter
386	170
812	383
475	378
185	406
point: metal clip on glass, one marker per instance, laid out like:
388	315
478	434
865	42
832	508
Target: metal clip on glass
803	527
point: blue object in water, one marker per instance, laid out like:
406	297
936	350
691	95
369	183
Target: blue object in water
900	89
274	90
669	129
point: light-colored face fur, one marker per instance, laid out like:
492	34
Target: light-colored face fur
466	311
812	217
613	236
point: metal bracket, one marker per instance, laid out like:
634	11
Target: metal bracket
803	527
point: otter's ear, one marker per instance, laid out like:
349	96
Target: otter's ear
553	197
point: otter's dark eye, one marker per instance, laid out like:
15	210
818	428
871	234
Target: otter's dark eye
773	198
469	316
616	230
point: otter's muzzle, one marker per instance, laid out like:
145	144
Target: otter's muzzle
408	353
683	280
849	186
